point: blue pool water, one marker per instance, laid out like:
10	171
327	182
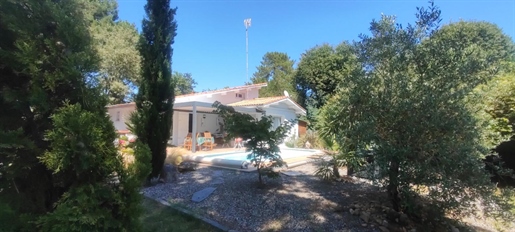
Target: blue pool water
242	156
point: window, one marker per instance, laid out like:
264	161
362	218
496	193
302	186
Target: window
118	116
240	95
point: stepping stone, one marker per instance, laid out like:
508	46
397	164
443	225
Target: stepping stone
202	194
292	173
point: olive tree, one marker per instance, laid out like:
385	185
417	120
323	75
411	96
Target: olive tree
412	103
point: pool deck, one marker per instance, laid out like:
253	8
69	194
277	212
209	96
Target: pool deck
291	162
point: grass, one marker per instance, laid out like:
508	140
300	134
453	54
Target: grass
159	218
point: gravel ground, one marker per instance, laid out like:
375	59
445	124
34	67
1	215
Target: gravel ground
289	203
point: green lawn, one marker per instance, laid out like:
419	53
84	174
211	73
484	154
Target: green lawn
160	218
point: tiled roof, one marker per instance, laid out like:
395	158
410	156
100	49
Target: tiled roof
258	101
200	93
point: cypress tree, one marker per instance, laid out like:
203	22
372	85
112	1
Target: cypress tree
152	120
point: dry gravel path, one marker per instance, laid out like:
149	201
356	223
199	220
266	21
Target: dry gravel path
288	203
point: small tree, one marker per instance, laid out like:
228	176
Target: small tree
262	140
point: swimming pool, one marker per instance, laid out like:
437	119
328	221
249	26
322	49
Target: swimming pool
239	159
242	156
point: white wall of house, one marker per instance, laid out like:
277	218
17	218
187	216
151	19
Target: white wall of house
120	115
283	114
180	129
181	124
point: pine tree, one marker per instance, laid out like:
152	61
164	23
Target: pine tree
152	121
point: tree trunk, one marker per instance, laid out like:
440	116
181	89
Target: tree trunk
336	171
350	171
259	176
393	186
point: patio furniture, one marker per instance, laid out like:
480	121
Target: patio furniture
187	142
209	142
238	143
200	140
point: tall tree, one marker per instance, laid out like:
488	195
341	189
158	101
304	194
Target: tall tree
55	138
119	69
152	120
184	83
415	108
116	43
320	70
276	69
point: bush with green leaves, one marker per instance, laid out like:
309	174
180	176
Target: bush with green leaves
262	140
413	101
101	194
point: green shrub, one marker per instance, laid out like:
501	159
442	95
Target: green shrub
311	137
102	194
291	142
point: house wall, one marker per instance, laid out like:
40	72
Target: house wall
209	123
124	112
284	113
180	129
181	124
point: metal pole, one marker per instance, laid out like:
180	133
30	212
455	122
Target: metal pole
247	50
246	22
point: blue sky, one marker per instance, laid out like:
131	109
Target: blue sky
210	41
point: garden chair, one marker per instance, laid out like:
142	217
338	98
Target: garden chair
209	141
187	142
238	143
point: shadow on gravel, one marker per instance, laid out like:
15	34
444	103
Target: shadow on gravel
295	203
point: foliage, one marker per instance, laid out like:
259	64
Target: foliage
276	69
412	104
311	137
333	125
262	139
498	99
45	58
100	194
320	70
115	42
152	120
56	141
291	142
184	83
119	59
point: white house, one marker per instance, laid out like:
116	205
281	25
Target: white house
194	112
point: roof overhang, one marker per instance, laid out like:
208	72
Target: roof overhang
206	107
298	109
